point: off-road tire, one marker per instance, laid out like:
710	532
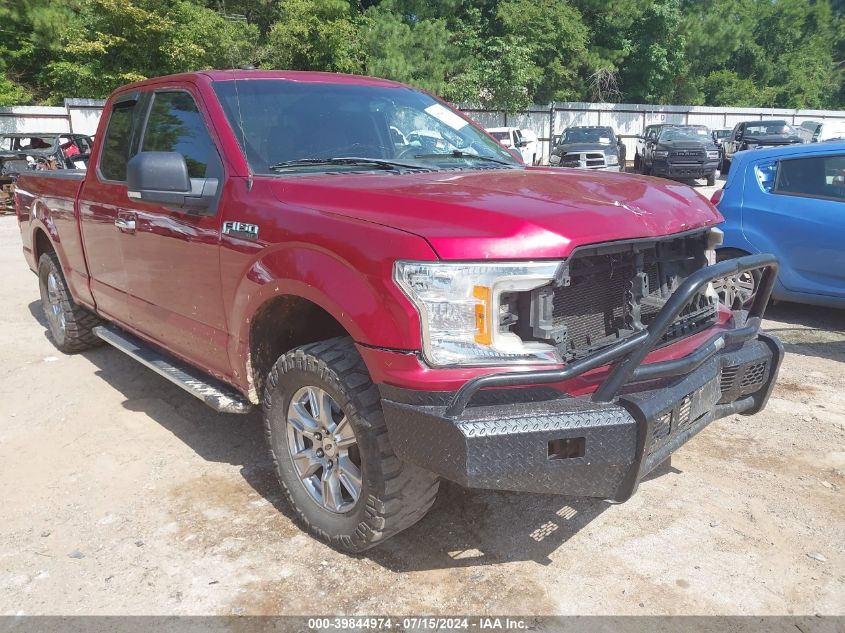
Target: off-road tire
725	167
394	494
711	179
77	334
637	163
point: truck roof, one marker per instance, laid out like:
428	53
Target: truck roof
290	75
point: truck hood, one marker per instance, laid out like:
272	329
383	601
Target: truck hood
585	147
506	214
773	139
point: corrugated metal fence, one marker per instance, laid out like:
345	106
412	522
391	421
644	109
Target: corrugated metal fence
629	119
76	115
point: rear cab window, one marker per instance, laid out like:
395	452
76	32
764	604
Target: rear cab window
117	142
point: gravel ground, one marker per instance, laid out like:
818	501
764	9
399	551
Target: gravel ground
124	495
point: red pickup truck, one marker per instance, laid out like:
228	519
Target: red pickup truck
404	298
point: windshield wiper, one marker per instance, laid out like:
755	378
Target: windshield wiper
459	154
380	163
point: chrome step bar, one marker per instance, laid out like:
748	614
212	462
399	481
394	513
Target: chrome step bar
215	394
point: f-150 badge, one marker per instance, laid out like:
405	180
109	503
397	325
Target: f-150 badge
241	229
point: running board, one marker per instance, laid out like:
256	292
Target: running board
215	394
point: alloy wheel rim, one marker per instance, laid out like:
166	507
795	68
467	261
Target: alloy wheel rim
55	314
736	290
324	450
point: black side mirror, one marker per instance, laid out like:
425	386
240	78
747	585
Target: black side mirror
163	177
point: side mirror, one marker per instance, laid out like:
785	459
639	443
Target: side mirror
162	177
523	144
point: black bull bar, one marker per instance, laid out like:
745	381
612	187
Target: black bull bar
627	355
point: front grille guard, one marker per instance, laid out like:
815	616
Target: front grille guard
628	355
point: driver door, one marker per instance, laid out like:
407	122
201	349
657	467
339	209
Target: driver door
171	254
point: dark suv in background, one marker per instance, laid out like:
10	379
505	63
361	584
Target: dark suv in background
752	134
589	147
682	153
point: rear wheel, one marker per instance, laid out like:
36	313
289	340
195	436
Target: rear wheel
329	444
71	326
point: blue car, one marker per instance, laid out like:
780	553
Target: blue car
789	201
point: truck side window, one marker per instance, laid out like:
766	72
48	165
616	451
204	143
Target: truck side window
175	125
116	145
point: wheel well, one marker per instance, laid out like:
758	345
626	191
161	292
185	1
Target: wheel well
729	253
282	324
41	244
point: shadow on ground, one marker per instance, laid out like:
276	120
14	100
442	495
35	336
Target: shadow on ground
465	528
817	331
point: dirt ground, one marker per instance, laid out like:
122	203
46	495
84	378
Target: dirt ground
122	494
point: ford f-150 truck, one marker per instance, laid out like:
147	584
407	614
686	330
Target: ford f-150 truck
403	312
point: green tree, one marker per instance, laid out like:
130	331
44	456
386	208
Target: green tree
107	43
556	41
656	57
315	35
410	48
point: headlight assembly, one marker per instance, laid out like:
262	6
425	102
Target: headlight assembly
661	154
612	159
467	310
712	154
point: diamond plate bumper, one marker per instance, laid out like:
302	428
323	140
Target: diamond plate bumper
505	439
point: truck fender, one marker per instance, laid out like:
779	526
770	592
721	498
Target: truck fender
373	312
40	219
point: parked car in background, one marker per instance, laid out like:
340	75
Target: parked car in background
789	201
589	147
22	152
681	153
719	135
512	138
754	134
821	131
651	133
532	147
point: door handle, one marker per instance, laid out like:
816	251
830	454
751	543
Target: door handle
125	224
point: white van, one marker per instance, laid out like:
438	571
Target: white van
819	131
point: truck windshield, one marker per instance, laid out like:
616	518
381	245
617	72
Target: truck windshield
290	123
602	135
679	134
766	128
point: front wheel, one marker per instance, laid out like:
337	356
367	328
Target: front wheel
329	444
726	165
711	179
